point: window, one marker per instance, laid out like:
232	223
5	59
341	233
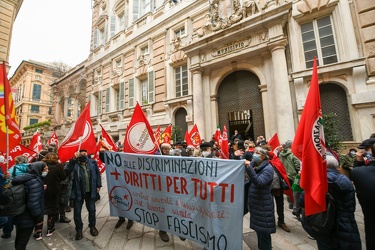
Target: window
33	121
107	98
40	71
180	32
99	110
131	92
148	89
113	26
120	96
141	7
37	90
34	109
181	80
318	40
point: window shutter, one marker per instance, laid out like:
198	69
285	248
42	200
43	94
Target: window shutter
113	25
107	98
136	10
151	87
131	92
96	38
100	102
122	95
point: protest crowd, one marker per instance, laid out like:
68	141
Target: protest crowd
40	184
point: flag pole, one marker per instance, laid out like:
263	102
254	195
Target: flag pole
80	143
7	147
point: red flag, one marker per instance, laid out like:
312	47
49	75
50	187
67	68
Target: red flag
53	140
217	136
166	135
224	144
275	161
187	139
107	141
195	136
309	147
139	136
274	142
8	118
101	164
36	144
157	134
80	136
21	150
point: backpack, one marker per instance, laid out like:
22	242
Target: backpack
323	223
13	199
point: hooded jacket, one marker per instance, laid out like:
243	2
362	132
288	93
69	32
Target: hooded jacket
34	189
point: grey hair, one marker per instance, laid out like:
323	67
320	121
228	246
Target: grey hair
331	161
21	159
261	151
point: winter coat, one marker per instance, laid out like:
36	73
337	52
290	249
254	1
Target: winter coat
261	205
34	189
20	169
55	175
290	162
79	178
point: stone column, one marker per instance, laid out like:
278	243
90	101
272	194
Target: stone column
58	111
283	98
198	104
66	106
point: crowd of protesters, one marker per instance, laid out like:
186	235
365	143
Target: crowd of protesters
53	188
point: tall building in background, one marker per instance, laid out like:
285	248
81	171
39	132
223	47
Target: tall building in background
244	64
33	97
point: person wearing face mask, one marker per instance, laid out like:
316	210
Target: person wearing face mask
206	149
34	212
86	183
261	206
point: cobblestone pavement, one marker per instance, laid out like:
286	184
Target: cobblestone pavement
146	238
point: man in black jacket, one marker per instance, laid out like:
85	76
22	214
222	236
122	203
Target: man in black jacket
86	183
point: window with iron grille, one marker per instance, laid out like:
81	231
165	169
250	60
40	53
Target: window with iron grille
181	80
318	40
34	109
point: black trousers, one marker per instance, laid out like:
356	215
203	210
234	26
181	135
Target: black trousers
22	237
279	198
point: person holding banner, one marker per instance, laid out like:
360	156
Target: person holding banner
261	206
86	182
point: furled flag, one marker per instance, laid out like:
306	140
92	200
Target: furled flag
224	144
80	136
107	141
195	136
53	140
166	135
309	147
139	136
21	150
36	144
8	118
157	134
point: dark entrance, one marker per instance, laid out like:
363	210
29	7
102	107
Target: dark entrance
240	104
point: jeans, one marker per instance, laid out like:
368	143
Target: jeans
22	237
6	223
264	241
90	206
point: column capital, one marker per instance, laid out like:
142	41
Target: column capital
273	46
197	71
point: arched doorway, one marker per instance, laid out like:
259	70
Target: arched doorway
333	100
240	104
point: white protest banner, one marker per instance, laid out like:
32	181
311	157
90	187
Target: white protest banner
200	199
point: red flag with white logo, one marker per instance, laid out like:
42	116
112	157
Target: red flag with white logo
309	147
101	164
80	136
195	136
139	136
107	141
36	144
53	140
20	150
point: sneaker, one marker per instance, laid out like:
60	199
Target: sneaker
38	236
50	232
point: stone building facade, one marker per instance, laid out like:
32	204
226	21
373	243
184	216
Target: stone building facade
244	64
